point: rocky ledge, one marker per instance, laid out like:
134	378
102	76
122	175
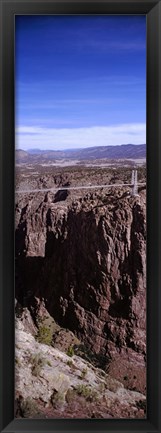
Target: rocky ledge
51	384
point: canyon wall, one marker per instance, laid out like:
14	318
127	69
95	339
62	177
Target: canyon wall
86	259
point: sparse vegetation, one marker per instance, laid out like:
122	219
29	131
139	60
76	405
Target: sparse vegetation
70	363
70	351
37	363
83	373
44	335
97	360
57	399
70	395
85	391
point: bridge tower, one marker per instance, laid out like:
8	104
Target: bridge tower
134	182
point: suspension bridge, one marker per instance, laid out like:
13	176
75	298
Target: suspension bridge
133	185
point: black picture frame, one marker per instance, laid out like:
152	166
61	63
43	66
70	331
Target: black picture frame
152	9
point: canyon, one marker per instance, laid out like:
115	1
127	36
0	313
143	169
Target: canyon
81	264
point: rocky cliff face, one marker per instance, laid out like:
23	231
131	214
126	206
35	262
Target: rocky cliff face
86	258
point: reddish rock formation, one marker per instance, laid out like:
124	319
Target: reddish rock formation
86	258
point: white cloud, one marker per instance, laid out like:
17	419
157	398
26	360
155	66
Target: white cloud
28	137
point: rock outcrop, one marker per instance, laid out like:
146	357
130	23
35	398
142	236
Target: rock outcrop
50	384
86	258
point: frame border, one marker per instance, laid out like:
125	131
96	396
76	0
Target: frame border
152	10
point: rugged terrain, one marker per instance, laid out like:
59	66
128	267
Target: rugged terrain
81	272
50	383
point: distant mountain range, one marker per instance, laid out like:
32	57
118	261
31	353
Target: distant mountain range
124	151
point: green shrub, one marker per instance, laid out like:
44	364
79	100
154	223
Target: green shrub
70	351
86	392
44	335
83	373
70	363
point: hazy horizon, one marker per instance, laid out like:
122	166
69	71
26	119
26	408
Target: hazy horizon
38	149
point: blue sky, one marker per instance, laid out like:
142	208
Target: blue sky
80	81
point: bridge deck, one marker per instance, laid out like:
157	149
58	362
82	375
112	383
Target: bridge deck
118	185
